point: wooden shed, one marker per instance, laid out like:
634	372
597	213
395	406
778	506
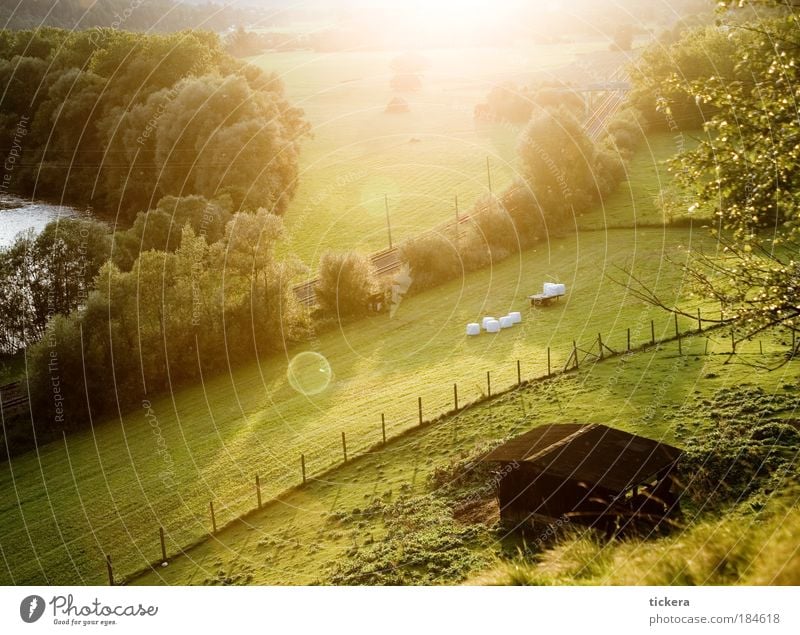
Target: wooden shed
587	473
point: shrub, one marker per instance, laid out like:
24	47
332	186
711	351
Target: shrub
626	130
557	160
346	283
495	228
433	259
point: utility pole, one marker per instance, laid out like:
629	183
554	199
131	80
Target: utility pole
388	222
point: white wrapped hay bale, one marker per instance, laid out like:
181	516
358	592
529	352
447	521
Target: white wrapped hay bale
561	289
485	321
492	326
550	289
506	322
473	328
516	317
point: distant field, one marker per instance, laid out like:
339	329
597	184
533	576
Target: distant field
421	159
101	491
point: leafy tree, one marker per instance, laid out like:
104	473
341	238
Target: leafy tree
119	120
747	170
557	162
662	77
47	275
346	283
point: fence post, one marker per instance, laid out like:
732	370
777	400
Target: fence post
677	333
303	466
548	362
733	343
488	383
344	447
258	491
629	340
680	347
383	427
455	396
213	518
652	332
705	352
760	348
575	353
110	570
600	344
163	544
699	321
419	406
519	374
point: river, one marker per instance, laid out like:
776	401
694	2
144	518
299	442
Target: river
18	215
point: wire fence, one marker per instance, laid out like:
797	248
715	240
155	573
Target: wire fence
312	465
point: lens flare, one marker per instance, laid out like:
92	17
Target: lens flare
309	373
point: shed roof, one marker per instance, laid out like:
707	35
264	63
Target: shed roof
589	452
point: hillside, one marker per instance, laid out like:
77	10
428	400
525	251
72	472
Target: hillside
344	528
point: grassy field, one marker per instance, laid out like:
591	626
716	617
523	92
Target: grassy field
314	533
647	177
103	491
421	159
109	490
743	547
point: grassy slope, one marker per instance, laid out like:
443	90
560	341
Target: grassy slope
742	547
421	159
102	491
299	539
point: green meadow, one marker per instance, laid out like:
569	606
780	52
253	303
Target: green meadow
309	535
109	489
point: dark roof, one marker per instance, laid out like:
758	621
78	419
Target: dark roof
589	452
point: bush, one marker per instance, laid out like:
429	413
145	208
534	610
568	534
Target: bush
433	259
700	53
626	131
495	228
557	161
346	284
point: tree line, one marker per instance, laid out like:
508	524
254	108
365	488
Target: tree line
117	120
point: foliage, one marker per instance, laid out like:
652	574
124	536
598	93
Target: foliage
140	117
433	259
508	102
176	315
46	275
346	283
747	169
557	162
664	72
160	228
495	229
